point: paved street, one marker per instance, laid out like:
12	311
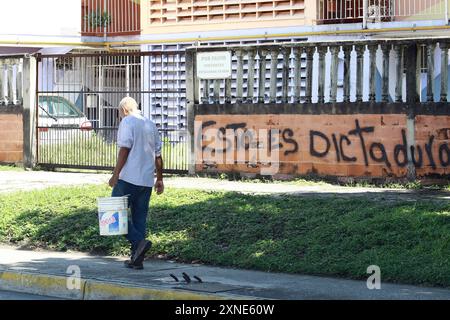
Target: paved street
228	282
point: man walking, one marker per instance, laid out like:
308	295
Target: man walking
139	156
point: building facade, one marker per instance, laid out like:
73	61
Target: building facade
173	25
94	52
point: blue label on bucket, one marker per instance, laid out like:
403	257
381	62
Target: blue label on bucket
111	221
114	225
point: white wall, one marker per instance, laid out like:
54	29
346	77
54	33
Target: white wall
40	17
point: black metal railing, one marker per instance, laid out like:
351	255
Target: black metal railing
78	97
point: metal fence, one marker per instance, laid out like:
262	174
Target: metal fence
110	17
78	95
341	11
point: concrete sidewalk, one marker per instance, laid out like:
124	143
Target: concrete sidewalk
316	189
46	273
11	181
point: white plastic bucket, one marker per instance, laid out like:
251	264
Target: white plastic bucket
113	215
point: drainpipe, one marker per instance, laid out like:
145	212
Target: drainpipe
365	12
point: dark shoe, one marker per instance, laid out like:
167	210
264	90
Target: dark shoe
131	265
128	264
141	250
139	266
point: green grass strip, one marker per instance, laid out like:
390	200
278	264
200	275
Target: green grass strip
409	241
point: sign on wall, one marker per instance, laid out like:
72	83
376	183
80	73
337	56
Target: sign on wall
214	65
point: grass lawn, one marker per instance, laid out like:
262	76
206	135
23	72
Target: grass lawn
409	241
10	168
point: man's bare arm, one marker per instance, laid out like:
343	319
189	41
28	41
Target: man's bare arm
121	160
159	185
159	167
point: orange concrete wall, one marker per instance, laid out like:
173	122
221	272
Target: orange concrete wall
330	145
11	138
432	134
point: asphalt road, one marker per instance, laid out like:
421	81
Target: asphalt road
9	295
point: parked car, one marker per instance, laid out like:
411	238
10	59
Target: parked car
60	121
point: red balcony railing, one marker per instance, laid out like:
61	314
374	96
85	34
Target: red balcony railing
348	11
340	11
110	17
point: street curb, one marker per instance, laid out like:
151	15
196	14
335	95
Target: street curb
56	286
40	284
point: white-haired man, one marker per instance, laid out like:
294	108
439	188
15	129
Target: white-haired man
139	155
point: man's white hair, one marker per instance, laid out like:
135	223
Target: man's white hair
129	105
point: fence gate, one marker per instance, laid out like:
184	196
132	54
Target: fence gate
77	99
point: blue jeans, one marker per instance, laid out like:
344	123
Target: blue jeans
138	201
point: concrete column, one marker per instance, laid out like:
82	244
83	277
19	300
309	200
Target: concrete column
385	80
418	70
430	72
262	75
216	91
251	76
321	94
205	95
309	73
239	76
399	73
228	90
412	94
29	112
297	74
373	71
273	75
334	73
359	72
347	56
285	81
444	71
411	141
192	98
412	98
